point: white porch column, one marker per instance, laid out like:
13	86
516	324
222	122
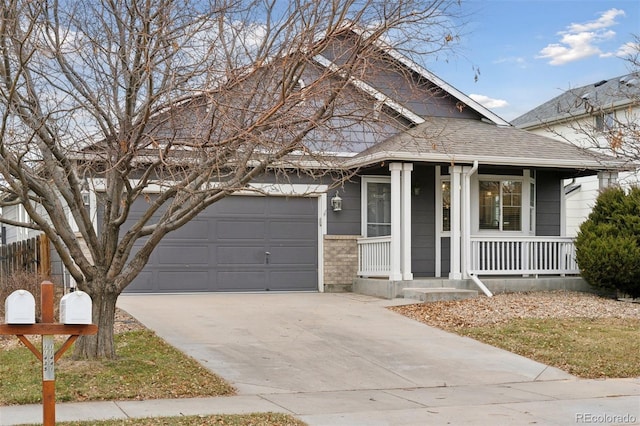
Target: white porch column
607	179
467	171
406	221
455	271
396	218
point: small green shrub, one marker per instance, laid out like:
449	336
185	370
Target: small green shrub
608	244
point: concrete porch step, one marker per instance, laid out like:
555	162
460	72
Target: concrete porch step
437	294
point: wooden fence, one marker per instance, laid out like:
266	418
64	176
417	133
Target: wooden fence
32	255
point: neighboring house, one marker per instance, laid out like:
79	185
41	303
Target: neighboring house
598	116
458	194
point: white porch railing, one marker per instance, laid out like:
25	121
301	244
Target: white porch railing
374	256
489	256
523	256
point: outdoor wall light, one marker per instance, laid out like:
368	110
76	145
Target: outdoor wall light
86	198
84	192
336	203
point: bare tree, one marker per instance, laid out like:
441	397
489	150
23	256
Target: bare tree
189	100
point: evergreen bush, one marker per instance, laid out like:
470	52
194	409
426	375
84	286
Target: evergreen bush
608	243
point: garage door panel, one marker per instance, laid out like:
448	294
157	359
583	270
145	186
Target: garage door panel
177	255
292	230
244	255
237	206
282	207
295	280
240	229
144	282
195	230
184	280
244	280
306	256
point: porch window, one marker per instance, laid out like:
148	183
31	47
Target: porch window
501	205
532	206
446	206
377	203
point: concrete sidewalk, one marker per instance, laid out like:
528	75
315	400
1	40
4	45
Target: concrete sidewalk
343	359
545	403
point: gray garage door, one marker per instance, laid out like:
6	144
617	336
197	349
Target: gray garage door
240	243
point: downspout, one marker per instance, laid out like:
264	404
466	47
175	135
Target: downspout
467	229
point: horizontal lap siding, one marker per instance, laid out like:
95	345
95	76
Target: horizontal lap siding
549	189
423	222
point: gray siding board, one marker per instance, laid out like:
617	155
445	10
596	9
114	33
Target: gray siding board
403	84
347	221
423	222
445	260
548	212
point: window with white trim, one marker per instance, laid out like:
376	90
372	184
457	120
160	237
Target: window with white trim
376	200
500	205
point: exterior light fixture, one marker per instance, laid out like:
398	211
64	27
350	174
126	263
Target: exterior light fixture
84	192
336	203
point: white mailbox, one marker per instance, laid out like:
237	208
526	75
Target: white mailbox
75	308
20	308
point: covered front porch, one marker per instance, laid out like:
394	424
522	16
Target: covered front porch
473	257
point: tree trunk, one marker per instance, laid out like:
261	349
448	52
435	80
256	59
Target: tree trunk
101	345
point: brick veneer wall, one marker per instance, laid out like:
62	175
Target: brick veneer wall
340	262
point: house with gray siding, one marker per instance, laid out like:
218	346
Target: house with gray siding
427	184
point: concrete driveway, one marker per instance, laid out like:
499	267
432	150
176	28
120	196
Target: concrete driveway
345	359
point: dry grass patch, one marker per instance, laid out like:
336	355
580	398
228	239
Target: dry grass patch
257	419
583	334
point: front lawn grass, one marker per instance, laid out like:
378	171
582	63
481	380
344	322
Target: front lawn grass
588	348
146	368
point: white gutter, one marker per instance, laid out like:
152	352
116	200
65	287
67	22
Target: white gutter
480	284
467	229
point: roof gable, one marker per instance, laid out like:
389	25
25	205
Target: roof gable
401	81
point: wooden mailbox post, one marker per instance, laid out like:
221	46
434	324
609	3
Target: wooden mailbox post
47	329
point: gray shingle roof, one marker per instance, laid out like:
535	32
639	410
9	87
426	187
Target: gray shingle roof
442	139
603	95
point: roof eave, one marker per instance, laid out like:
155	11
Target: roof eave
486	160
562	118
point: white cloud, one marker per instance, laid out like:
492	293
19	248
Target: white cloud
606	20
581	40
488	102
628	49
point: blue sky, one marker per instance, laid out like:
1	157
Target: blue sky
529	51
